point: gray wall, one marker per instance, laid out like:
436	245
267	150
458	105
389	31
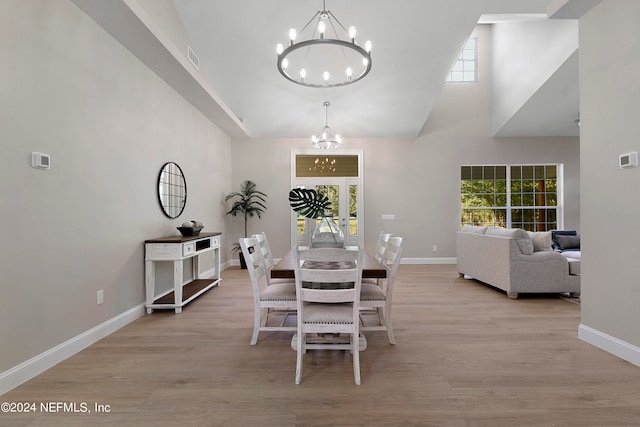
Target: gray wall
69	90
416	179
609	109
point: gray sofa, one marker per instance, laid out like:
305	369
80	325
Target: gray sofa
515	261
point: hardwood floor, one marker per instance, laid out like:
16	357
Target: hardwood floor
466	355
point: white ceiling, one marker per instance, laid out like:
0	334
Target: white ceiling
415	42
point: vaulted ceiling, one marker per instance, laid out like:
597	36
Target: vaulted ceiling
415	42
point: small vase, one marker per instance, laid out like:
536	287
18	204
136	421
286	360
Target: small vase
327	234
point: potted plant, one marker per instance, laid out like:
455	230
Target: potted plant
247	202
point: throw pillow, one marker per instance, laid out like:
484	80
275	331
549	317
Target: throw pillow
568	242
525	245
541	240
555	233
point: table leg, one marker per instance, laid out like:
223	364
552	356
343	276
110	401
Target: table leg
177	285
150	282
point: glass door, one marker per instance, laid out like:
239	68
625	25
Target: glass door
345	195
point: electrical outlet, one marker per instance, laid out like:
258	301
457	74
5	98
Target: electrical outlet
435	248
99	297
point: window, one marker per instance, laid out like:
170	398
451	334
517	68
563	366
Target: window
512	196
326	165
466	67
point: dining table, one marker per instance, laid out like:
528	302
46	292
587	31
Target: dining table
371	269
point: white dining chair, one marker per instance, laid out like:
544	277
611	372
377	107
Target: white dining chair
379	298
267	298
381	247
322	310
264	250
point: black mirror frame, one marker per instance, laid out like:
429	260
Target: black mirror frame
165	209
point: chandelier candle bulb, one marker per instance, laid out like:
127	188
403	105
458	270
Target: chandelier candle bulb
352	34
292	35
279	48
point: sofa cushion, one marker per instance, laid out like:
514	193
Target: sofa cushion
467	228
541	240
572	254
568	242
521	237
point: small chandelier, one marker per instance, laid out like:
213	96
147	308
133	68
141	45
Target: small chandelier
327	139
324	61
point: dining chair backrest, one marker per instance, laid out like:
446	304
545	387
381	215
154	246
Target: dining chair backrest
264	250
328	266
381	245
262	243
391	260
255	266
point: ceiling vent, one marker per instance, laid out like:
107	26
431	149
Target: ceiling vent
193	57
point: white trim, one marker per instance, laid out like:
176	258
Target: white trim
610	344
230	263
428	261
40	363
295	182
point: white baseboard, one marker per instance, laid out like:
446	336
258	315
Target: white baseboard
428	261
231	263
613	345
40	363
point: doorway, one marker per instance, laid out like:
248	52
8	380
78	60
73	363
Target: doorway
338	177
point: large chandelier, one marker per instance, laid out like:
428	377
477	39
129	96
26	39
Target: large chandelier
324	60
327	139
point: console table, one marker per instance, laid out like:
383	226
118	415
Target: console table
176	249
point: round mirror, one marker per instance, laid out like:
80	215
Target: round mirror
172	190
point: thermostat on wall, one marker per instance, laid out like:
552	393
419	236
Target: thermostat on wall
40	160
629	160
